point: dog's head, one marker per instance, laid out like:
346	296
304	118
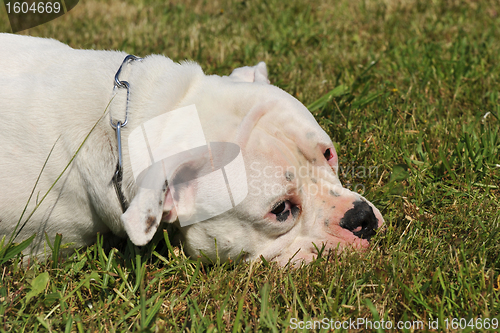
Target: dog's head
293	202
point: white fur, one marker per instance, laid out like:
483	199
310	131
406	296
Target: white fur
51	97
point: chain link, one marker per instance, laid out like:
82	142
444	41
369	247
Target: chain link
118	176
123	84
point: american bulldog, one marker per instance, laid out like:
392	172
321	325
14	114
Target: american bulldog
59	156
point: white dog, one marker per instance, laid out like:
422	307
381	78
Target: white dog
53	96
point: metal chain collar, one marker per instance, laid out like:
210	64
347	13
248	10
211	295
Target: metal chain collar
118	176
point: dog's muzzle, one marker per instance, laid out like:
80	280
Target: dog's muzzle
360	220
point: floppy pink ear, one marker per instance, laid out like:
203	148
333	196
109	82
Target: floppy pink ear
203	182
154	203
143	216
169	211
256	73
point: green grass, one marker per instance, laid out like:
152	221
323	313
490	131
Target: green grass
413	82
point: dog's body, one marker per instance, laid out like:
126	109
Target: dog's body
51	96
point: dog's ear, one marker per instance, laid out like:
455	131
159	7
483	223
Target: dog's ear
142	218
256	73
202	183
154	200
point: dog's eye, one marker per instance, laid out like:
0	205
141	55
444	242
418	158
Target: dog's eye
328	154
283	209
331	157
279	208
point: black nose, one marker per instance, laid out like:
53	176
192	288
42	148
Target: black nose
361	219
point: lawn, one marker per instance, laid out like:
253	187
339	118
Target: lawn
408	90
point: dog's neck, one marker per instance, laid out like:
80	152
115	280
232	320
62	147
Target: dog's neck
155	87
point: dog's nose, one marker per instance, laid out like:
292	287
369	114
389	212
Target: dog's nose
360	220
